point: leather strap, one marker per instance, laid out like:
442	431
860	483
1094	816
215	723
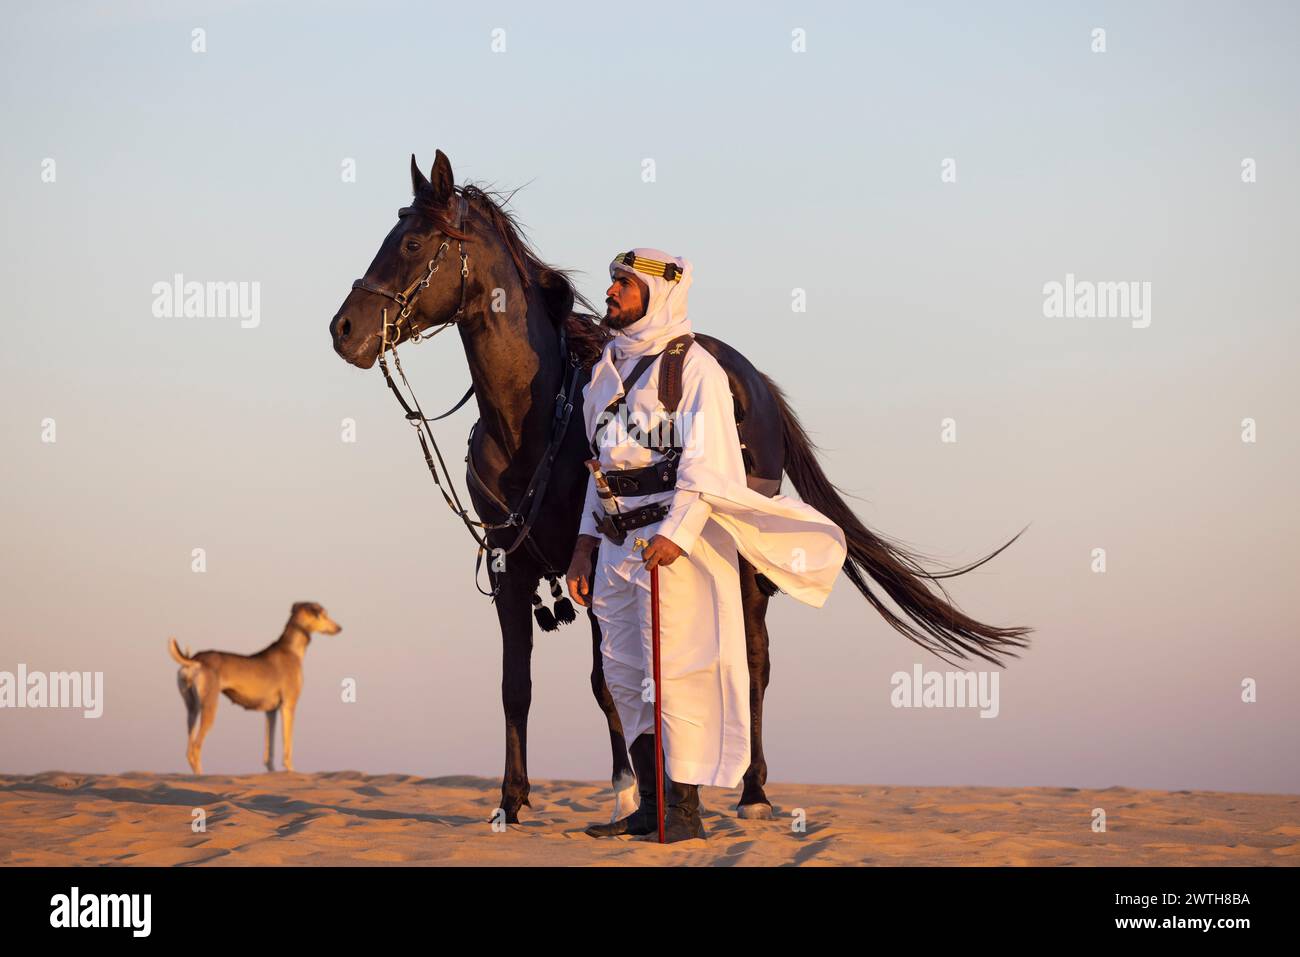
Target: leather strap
638	517
633	378
615	527
670	372
647	480
670	393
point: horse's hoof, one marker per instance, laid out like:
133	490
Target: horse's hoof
755	812
626	797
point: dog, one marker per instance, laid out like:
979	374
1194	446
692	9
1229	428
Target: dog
269	681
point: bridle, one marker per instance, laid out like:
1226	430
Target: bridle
406	300
536	489
407	297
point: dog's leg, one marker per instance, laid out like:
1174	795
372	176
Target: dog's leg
287	708
208	694
191	699
191	702
268	759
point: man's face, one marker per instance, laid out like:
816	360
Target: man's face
625	300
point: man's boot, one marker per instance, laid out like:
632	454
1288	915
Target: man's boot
682	814
644	820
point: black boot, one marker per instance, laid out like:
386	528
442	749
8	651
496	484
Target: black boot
682	816
644	820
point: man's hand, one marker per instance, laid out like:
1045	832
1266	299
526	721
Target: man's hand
660	551
579	569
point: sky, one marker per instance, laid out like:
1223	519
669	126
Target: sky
922	172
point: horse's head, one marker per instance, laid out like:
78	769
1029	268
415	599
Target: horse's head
416	275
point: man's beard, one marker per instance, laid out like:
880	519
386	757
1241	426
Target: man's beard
619	321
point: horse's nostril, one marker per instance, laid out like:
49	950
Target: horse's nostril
345	327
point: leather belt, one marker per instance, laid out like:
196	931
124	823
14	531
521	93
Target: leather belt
647	480
616	527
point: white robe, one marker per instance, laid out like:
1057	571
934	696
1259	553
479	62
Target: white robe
713	516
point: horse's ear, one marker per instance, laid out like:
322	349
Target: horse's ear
441	179
418	181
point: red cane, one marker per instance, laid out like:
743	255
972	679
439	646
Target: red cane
659	712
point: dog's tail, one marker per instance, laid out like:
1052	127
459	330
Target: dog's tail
181	659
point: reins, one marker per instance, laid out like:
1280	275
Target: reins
525	514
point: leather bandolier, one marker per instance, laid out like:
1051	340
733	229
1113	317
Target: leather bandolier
659	476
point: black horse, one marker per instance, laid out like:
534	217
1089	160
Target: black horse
513	313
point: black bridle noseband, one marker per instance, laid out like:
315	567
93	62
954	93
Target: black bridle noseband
525	514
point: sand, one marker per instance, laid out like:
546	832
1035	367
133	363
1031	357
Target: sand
345	817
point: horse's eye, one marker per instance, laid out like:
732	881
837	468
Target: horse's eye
412	246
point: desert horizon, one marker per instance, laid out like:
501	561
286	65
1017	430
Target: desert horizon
346	817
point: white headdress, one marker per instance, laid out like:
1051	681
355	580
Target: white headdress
668	278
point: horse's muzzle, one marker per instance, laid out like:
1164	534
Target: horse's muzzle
358	350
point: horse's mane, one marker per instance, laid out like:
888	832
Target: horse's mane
586	336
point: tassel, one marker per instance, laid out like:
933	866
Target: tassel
543	614
564	613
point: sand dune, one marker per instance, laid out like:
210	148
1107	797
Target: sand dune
345	817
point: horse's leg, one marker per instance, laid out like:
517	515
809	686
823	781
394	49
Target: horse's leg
514	613
622	779
754	804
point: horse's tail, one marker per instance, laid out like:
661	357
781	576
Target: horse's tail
932	621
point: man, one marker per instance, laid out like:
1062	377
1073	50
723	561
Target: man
683	489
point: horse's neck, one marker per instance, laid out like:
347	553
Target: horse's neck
514	364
